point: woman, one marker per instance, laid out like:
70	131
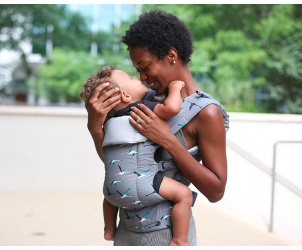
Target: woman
160	46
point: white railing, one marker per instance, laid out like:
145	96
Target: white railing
269	171
282	180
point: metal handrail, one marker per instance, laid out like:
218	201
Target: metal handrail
289	185
268	170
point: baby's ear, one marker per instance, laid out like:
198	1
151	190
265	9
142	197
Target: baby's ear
125	96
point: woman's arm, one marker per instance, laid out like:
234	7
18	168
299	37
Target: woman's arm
98	109
210	177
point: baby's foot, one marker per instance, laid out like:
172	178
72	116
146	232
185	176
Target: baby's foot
109	234
179	242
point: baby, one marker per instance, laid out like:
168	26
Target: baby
133	92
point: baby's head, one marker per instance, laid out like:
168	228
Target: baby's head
131	88
97	78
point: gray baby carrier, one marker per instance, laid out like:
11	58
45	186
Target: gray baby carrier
130	167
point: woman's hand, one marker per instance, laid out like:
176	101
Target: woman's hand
98	108
154	128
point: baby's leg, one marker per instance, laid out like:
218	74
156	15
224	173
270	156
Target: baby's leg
109	213
180	214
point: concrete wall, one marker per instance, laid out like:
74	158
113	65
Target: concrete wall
50	149
47	149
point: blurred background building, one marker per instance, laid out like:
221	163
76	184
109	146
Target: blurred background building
14	72
102	16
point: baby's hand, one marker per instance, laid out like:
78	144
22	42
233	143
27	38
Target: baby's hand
176	84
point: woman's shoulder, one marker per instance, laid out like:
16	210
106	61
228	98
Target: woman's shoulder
207	118
211	111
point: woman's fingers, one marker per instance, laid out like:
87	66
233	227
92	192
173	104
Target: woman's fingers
140	113
110	103
105	97
97	91
133	121
151	126
109	98
146	110
137	118
108	95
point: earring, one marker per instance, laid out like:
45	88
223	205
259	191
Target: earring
174	62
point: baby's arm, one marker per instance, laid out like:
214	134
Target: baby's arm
171	106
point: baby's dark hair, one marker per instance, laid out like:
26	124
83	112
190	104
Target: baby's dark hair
97	78
159	32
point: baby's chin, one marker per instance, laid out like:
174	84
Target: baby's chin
146	91
159	98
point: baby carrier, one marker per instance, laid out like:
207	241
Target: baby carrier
130	167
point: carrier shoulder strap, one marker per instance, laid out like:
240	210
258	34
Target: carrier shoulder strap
190	107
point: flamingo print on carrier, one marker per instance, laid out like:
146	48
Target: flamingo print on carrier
130	167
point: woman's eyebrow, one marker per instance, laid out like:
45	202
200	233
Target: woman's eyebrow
140	61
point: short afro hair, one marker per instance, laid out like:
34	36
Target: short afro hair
159	32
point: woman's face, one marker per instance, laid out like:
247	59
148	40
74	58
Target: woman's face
155	72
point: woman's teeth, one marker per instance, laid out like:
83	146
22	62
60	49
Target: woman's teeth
152	84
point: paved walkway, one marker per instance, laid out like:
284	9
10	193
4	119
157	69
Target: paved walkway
75	219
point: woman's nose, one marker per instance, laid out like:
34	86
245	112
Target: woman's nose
143	77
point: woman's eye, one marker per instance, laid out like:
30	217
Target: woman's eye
146	67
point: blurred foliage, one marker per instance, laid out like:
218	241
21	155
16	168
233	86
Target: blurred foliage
69	31
61	77
28	22
242	49
249	57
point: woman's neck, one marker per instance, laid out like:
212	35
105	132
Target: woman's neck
190	85
184	75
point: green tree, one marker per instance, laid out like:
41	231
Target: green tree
28	23
241	49
70	30
119	56
281	37
63	76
